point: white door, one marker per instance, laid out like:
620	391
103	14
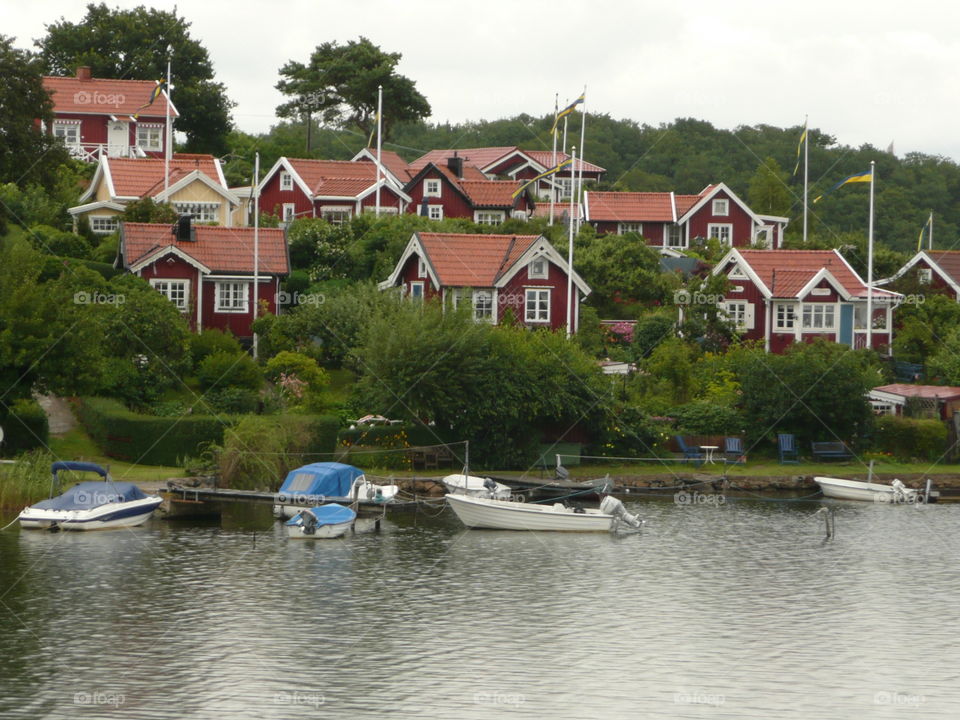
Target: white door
118	139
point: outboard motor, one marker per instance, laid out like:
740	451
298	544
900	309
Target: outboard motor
490	485
308	521
903	494
612	506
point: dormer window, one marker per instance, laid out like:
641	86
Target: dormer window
721	207
421	268
537	269
286	181
431	188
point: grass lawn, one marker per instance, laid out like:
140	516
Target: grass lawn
77	445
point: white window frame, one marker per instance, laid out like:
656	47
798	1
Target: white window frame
150	136
718	230
176	290
675	229
435	212
740	312
231	296
203	212
721	207
432	188
880	315
566	186
625	227
519	215
286	180
414	287
784	317
103	224
338	215
483	312
421	267
288	213
538	269
924	276
489	217
540	297
69	132
819	317
821	291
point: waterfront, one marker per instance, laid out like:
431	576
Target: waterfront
719	609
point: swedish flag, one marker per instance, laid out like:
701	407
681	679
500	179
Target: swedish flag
855	178
803	138
154	94
551	171
567	110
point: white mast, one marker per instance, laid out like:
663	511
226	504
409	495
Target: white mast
573	168
570	258
169	138
553	193
870	264
930	232
806	173
256	244
379	126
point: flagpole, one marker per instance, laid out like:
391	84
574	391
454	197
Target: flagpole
583	130
256	244
553	192
167	153
930	232
379	143
870	264
570	256
806	173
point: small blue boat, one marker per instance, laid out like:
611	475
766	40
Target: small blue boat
324	482
325	521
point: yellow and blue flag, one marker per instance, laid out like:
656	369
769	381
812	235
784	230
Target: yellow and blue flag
803	139
549	172
855	178
567	110
925	232
155	93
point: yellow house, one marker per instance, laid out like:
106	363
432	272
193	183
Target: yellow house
195	186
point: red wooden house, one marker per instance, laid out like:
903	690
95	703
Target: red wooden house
675	222
787	296
493	273
938	270
98	116
335	190
209	276
455	190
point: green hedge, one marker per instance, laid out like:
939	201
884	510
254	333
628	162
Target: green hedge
147	439
389	436
909	439
25	428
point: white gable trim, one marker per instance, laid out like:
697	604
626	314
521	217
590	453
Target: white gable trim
220	177
164	251
283	163
586	206
922	255
367	153
503	158
542	246
189	179
101	174
414	247
386	183
824	274
709	196
673	206
734	255
100	205
874	291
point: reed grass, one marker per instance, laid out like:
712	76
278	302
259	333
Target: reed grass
26	480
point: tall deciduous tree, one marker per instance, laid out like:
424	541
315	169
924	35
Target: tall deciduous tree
132	44
26	154
339	84
768	193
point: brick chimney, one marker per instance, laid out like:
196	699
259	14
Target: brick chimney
83	73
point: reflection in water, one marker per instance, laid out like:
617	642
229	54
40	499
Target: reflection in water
738	610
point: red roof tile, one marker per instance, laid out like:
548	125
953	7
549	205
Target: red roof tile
394	163
921	391
545	158
785	272
222	249
136	177
464	260
490	193
315	173
101	96
477	157
630	206
948	261
684	203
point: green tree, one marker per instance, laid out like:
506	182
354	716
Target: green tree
339	83
26	154
623	273
127	44
147	210
768	193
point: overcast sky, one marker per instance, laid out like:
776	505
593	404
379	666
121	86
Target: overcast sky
866	72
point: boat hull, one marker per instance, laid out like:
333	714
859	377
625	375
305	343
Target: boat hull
476	512
842	489
104	517
323	532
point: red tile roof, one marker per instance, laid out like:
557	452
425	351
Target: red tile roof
545	158
684	203
320	174
137	177
101	96
222	249
943	392
630	206
490	193
464	260
478	157
948	261
785	272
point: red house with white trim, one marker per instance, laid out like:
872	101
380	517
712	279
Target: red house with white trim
493	273
937	269
787	296
335	190
676	222
98	117
210	276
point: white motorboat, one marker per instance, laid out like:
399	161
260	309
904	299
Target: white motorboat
319	483
841	489
326	521
478	512
476	486
97	505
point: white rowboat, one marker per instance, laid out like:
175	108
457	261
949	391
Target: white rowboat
478	512
842	489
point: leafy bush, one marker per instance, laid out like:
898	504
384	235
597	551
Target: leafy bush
209	342
706	418
910	439
25	427
59	242
232	401
628	432
226	369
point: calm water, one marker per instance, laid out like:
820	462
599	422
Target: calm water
733	611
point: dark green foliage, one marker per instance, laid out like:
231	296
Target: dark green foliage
59	242
53	267
707	418
119	43
147	439
212	341
226	369
910	439
231	401
623	272
146	210
627	432
25	427
650	331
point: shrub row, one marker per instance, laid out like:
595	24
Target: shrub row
908	438
24	428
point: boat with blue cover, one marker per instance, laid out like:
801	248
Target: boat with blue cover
323	482
94	505
325	521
